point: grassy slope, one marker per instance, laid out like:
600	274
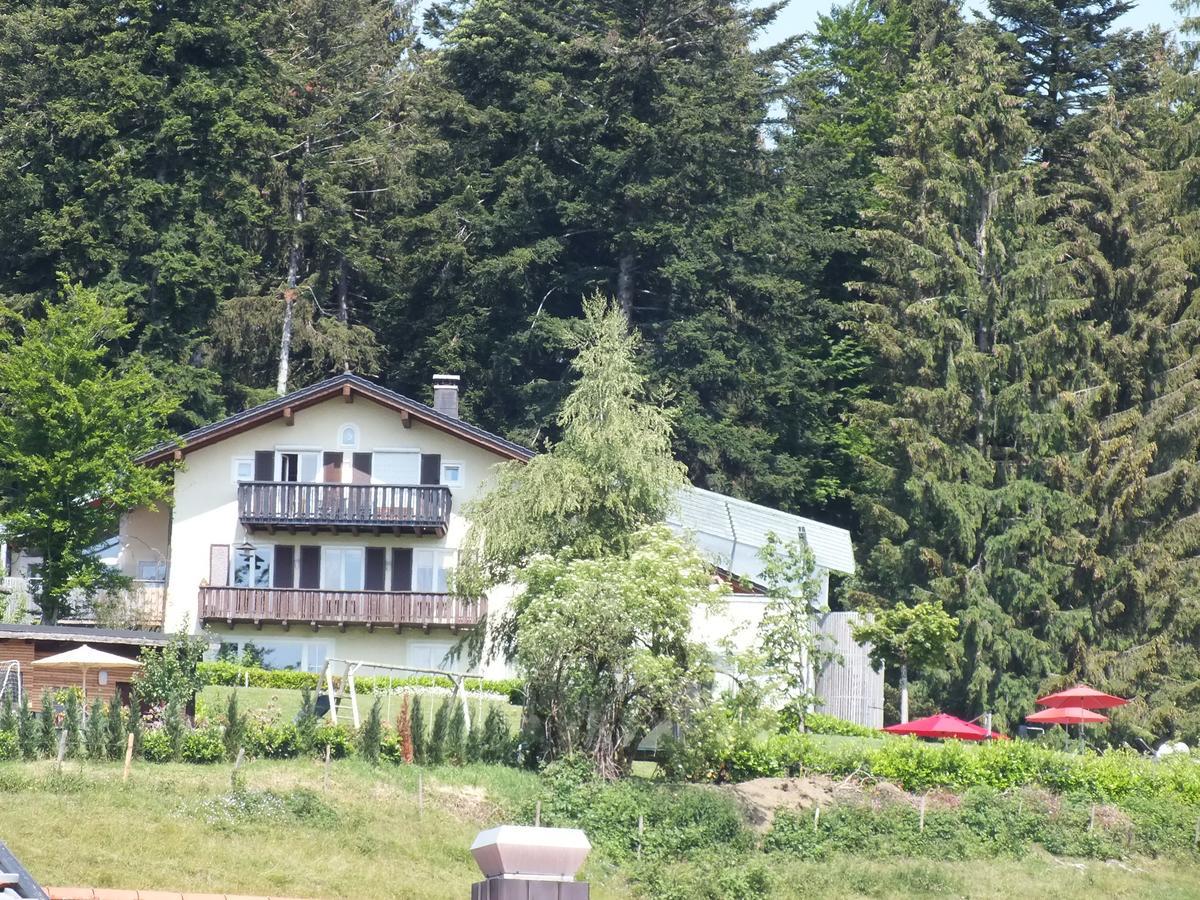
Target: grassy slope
158	832
285	704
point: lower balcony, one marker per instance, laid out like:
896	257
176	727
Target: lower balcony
303	606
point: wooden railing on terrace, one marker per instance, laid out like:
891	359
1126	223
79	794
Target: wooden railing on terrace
396	609
293	505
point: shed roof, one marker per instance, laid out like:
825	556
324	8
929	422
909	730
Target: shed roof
347	384
82	635
732	532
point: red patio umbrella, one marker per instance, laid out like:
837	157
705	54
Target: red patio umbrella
1069	715
942	726
1081	697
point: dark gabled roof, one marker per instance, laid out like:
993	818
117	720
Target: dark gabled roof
324	390
82	634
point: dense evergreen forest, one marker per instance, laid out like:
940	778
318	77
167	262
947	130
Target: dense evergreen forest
926	273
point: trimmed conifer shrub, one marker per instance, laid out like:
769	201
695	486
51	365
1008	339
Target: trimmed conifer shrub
115	731
47	733
437	752
94	731
404	732
27	730
235	727
420	745
371	736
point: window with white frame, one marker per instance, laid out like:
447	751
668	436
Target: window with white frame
428	654
342	568
251	566
151	570
348	437
429	570
242	468
452	474
297	465
295	654
396	467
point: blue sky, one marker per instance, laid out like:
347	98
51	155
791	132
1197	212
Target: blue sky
800	15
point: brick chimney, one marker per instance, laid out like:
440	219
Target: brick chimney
445	395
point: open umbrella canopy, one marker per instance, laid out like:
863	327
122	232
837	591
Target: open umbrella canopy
1067	716
88	657
1081	697
943	726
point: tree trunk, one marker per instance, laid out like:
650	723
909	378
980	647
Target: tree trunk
625	269
903	692
295	257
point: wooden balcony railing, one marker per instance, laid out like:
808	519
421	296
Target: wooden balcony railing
416	509
284	606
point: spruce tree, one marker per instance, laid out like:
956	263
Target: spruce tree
620	151
27	729
47	733
8	716
438	751
115	731
1069	57
456	736
306	723
496	741
1136	466
966	319
72	722
420	743
371	735
94	732
235	727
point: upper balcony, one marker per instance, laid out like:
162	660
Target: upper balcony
375	508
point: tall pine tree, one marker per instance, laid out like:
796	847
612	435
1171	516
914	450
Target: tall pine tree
965	322
1138	468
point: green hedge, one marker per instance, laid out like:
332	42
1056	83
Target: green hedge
820	723
228	674
984	824
1113	776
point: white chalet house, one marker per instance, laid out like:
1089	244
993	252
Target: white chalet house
323	524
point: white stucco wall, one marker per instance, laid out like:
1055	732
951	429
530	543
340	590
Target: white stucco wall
144	537
204	510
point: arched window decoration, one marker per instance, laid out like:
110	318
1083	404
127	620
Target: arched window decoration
348	437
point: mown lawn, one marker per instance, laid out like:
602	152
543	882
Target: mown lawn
284	704
177	827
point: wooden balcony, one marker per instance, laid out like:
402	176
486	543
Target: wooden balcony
375	508
302	606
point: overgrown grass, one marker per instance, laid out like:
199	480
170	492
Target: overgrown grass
182	827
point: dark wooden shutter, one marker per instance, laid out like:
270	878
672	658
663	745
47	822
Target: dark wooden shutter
218	565
332	464
362	468
284	565
376	561
310	567
402	568
431	468
264	465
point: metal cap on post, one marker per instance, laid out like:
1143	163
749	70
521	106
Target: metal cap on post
520	862
445	395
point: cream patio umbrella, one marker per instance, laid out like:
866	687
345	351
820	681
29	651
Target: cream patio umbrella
86	657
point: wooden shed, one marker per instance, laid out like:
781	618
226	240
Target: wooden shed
22	644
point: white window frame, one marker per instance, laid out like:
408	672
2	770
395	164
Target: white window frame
441	558
379	450
422	645
341	443
299	452
266	550
160	571
462	473
306	645
233	468
362	574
